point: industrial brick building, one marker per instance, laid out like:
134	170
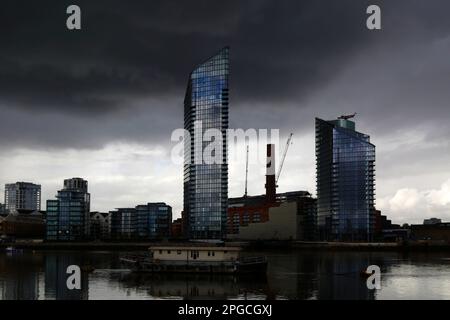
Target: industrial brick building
272	216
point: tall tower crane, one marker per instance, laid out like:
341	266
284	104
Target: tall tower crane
286	148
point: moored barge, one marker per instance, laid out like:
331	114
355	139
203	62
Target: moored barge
195	259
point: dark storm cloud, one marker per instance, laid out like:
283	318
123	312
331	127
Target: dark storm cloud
122	77
148	48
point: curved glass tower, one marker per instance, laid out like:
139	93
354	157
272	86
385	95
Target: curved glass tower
345	162
206	184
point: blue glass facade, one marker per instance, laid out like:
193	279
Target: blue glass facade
154	220
345	162
124	224
68	216
144	222
206	185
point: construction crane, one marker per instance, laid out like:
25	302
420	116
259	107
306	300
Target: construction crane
246	174
288	143
346	117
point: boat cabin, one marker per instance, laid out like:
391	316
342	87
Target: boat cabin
195	253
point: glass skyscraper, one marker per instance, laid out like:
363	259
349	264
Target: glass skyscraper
345	162
206	185
68	216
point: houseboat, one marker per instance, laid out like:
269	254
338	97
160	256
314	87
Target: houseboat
195	259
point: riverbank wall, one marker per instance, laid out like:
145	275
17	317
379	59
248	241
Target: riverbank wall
256	245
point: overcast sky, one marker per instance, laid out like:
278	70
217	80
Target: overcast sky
101	103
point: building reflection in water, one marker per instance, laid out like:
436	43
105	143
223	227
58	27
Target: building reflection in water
295	274
19	276
56	277
291	275
324	275
199	286
340	276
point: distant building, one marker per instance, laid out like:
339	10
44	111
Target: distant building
68	216
396	234
384	229
23	225
291	217
154	220
432	221
254	209
345	161
177	228
272	216
144	222
206	185
306	218
2	209
431	232
281	224
100	224
22	196
242	212
124	224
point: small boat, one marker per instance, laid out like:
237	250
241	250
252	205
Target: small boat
195	259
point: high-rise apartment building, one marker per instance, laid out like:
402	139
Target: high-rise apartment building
68	215
22	196
345	162
206	184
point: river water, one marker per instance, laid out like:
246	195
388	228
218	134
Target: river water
292	274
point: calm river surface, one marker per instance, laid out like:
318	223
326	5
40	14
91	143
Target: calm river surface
291	275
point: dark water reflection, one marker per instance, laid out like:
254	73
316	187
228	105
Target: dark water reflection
291	275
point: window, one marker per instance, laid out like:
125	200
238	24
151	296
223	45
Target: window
168	251
178	251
